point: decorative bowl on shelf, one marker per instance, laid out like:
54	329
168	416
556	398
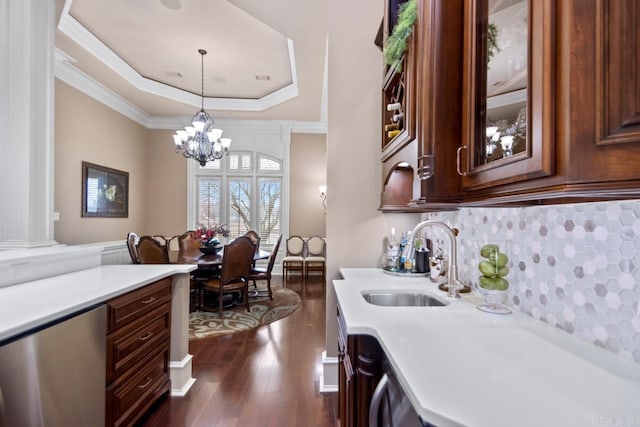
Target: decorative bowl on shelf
210	250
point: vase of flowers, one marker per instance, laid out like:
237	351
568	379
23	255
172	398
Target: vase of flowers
210	238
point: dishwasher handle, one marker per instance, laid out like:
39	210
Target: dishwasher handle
379	392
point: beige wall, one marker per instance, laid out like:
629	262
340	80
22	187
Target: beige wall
166	198
87	130
355	228
308	170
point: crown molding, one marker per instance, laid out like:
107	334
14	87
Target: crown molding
65	71
68	73
83	37
309	127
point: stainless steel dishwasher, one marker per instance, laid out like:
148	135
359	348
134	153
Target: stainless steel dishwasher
56	376
390	406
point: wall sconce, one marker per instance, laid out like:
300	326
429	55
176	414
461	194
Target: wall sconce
323	196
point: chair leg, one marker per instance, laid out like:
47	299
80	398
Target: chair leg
246	298
284	276
269	287
220	295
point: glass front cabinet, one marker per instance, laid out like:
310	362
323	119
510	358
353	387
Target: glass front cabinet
508	122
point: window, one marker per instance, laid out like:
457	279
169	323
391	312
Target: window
239	206
209	201
243	191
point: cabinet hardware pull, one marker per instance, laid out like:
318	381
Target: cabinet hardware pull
148	301
464	147
376	399
146	336
149	379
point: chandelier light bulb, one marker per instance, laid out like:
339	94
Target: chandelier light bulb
226	143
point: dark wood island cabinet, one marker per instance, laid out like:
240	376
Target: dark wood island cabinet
361	363
138	341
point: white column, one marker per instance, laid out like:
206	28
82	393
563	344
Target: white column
179	357
27	31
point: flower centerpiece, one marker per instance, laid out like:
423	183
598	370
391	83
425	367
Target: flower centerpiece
208	236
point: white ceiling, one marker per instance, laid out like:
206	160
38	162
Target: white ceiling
146	52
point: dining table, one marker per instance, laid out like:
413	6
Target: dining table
208	261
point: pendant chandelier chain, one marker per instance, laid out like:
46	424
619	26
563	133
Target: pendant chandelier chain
202	54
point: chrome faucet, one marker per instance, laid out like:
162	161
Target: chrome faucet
454	285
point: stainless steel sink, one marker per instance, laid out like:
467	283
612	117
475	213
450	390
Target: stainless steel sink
401	299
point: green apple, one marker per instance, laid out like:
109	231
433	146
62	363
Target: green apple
503	271
501	284
487	268
488	250
486	282
501	259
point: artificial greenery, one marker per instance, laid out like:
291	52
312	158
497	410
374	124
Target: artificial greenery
492	42
396	43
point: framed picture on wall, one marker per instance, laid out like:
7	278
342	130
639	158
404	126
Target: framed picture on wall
105	191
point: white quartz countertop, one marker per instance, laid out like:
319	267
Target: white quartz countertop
462	366
30	305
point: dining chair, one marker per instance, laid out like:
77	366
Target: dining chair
265	274
188	243
315	259
152	251
255	238
236	267
294	259
132	242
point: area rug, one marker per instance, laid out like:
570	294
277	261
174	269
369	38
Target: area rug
206	324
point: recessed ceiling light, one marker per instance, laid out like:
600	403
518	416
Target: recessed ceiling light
263	77
171	4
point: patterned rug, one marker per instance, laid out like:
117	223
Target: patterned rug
207	324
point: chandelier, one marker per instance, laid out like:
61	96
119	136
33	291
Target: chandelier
201	141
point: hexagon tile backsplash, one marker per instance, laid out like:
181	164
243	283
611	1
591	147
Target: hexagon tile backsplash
573	266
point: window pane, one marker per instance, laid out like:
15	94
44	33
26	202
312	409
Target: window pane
269	209
240	162
246	162
214	165
270	165
209	201
240	207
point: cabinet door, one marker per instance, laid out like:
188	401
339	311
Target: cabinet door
600	109
508	91
439	108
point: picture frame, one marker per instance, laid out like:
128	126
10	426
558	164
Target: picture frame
105	191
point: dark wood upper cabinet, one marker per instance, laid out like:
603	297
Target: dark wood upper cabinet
439	109
398	119
583	106
508	110
599	86
563	88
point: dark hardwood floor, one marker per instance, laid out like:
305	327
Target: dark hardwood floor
264	377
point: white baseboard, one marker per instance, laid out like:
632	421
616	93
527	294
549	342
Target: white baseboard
327	388
329	377
180	374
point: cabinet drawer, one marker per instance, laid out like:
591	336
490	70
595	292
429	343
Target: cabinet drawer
127	307
135	340
133	393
